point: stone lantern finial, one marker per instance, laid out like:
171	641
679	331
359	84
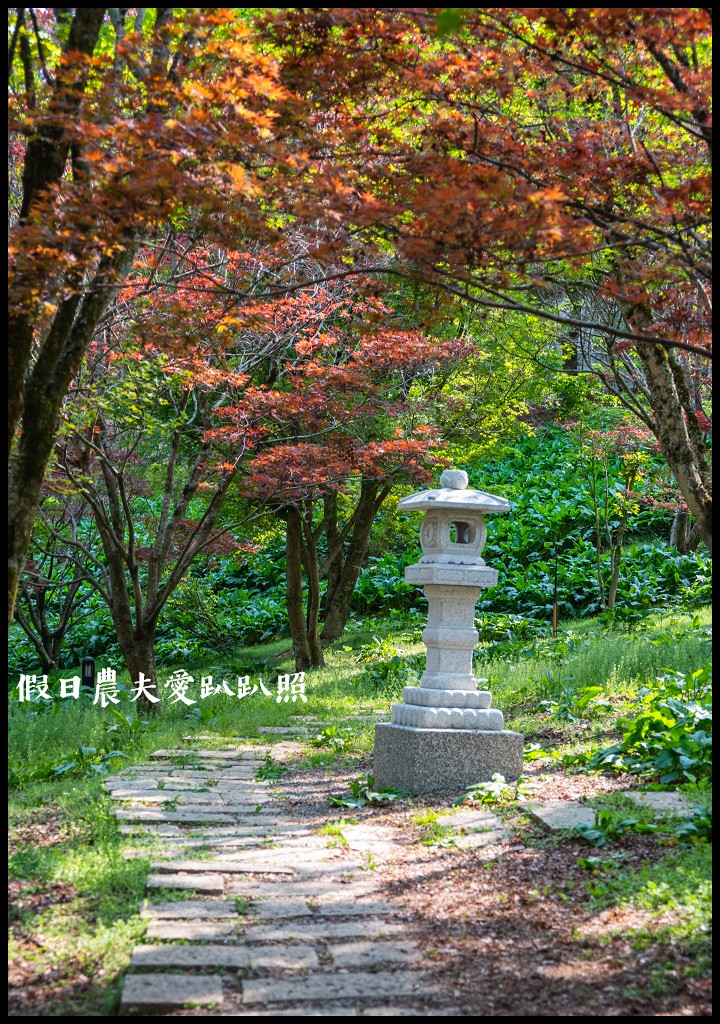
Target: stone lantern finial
454	479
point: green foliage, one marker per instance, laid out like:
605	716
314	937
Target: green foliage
381	586
334	830
331	737
271	769
606	828
128	728
389	677
670	738
696	829
680	881
363	792
495	791
88	760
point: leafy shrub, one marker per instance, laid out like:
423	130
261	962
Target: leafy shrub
389	677
670	738
381	586
362	792
606	828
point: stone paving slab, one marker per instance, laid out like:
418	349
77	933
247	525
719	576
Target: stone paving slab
286	730
305	930
470	820
210	798
293	958
405	1011
371	839
479	840
239	773
192	931
206	955
234	754
253	807
250	843
343	1010
154	796
189	817
188	775
224	866
150	831
132	785
271	828
328	1010
292	859
352	908
662	803
323	987
226	785
340	870
282	908
558	814
157	992
314	889
184	909
187	880
369	954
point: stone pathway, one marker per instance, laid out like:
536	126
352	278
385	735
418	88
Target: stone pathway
254	912
250	912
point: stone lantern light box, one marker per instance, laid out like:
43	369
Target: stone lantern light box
445	736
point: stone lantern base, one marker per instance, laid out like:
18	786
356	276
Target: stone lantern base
443	760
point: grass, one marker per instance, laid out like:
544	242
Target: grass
676	890
73	888
334	831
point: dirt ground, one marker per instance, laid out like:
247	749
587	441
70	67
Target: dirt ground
510	930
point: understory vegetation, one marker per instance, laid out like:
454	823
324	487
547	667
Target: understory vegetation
240	600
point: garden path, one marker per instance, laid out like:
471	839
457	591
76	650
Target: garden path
267	914
278	922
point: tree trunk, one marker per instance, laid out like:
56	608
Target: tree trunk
309	554
591	477
138	653
678	431
337	600
58	361
680	531
294	590
334	543
616	560
136	641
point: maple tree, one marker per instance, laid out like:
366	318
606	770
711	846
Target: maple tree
137	450
549	162
60	571
347	429
183	395
116	139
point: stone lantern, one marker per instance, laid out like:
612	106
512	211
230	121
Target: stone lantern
445	736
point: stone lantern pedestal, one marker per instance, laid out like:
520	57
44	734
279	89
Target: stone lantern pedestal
445	736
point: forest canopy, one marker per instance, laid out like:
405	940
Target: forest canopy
279	261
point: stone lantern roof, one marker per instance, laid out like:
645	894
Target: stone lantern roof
453	494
